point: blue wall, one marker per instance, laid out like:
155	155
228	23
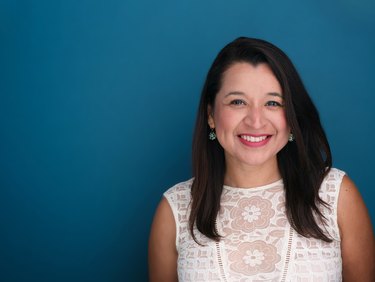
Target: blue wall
98	101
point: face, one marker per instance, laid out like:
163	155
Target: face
249	116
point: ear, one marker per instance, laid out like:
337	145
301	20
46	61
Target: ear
210	117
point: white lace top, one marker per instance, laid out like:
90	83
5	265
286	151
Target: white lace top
258	243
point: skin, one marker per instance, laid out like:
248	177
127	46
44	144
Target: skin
357	237
250	103
162	253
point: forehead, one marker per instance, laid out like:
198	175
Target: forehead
247	76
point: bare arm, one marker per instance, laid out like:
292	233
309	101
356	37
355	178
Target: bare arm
357	238
162	253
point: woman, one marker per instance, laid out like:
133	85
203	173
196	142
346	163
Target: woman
264	203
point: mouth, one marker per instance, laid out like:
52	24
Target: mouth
254	139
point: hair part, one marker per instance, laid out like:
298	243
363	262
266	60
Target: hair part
303	164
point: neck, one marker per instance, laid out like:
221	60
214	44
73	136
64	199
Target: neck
251	176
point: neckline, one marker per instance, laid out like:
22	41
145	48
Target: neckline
257	188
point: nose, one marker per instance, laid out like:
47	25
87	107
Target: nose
254	117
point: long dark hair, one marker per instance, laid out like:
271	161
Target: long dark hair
303	164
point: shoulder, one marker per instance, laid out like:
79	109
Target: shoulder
179	192
357	238
181	186
165	230
351	207
178	198
334	175
329	194
331	185
350	202
171	205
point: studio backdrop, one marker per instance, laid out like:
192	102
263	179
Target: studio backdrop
97	107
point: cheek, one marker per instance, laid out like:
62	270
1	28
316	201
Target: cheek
282	123
226	121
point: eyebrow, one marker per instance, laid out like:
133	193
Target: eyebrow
275	94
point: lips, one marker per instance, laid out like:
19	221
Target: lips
254	139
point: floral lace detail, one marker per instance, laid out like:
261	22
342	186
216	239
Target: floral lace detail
254	257
253	224
257	244
252	213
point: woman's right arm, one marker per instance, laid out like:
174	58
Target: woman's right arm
162	253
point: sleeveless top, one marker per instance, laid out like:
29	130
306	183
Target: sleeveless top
258	243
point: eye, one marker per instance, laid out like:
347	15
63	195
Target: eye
273	104
237	102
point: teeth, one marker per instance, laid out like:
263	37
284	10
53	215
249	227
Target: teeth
253	139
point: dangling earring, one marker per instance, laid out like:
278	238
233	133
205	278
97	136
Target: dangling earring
212	134
291	137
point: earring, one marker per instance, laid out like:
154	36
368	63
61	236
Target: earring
291	137
212	134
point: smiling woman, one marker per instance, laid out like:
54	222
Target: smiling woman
265	202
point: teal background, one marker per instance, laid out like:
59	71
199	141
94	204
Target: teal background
97	106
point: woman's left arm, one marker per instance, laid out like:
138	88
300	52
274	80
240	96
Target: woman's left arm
357	237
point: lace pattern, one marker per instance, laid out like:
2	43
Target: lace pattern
258	243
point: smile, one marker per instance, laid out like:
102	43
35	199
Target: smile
254	139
